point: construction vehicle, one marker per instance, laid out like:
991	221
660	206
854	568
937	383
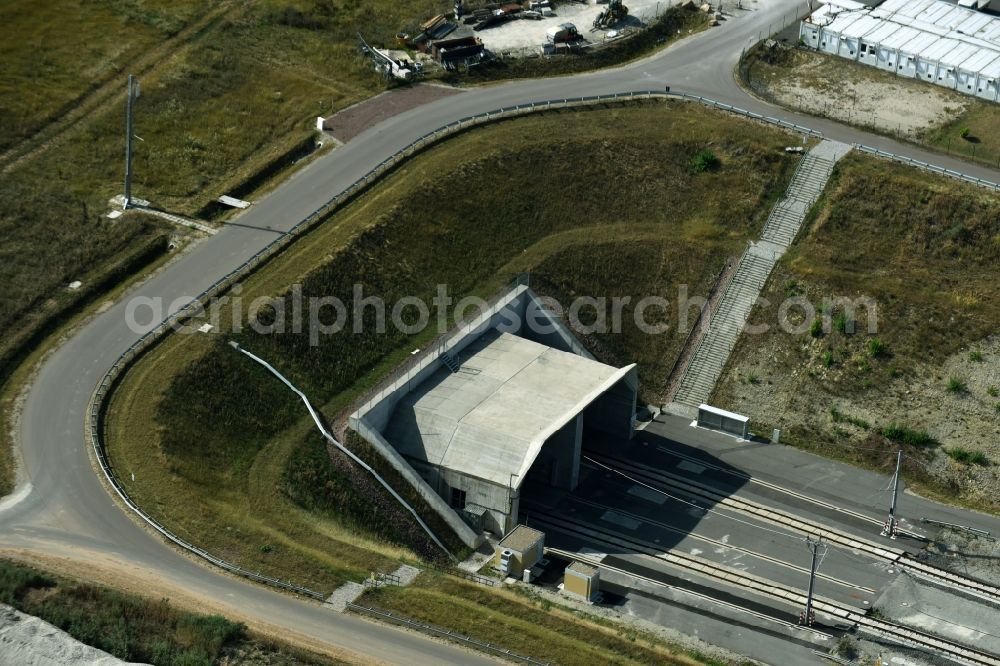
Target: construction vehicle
615	12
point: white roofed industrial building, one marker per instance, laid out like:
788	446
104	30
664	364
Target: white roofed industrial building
931	40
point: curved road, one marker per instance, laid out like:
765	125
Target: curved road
61	508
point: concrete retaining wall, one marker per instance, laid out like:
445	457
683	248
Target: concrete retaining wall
377	411
374	437
511	313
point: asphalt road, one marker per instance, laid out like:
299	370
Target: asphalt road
61	508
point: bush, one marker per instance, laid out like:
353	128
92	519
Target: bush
903	435
876	348
843	325
964	132
704	160
958	454
858	422
992	391
827	359
957	385
15	580
976	357
816	328
126	625
847	647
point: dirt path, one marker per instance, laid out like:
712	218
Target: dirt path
107	92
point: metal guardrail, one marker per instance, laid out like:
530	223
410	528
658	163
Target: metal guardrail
470	576
927	166
489	647
743	112
964	528
94	421
381	580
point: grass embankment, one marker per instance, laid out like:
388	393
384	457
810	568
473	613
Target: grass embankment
56	52
137	629
530	626
572	196
224	105
874	99
674	24
925	249
974	134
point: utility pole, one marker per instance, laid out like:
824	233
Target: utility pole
807	617
889	529
133	94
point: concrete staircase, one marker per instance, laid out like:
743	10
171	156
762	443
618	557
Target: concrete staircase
755	267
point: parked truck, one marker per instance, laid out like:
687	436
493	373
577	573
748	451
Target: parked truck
559	34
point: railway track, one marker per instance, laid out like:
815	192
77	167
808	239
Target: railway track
747	478
720	544
594	535
667	481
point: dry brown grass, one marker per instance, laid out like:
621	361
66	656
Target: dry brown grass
534	627
925	250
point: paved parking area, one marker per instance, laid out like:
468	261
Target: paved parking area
352	121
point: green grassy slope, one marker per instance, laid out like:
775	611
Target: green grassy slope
602	202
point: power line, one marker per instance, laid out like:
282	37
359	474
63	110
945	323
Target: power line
692	504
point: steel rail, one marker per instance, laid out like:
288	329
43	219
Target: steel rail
769	589
892	555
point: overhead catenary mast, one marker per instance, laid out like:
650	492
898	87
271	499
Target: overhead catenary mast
889	529
132	95
808	616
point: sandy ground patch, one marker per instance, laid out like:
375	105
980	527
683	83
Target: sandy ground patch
842	90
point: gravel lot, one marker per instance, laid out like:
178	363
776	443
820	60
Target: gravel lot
521	34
